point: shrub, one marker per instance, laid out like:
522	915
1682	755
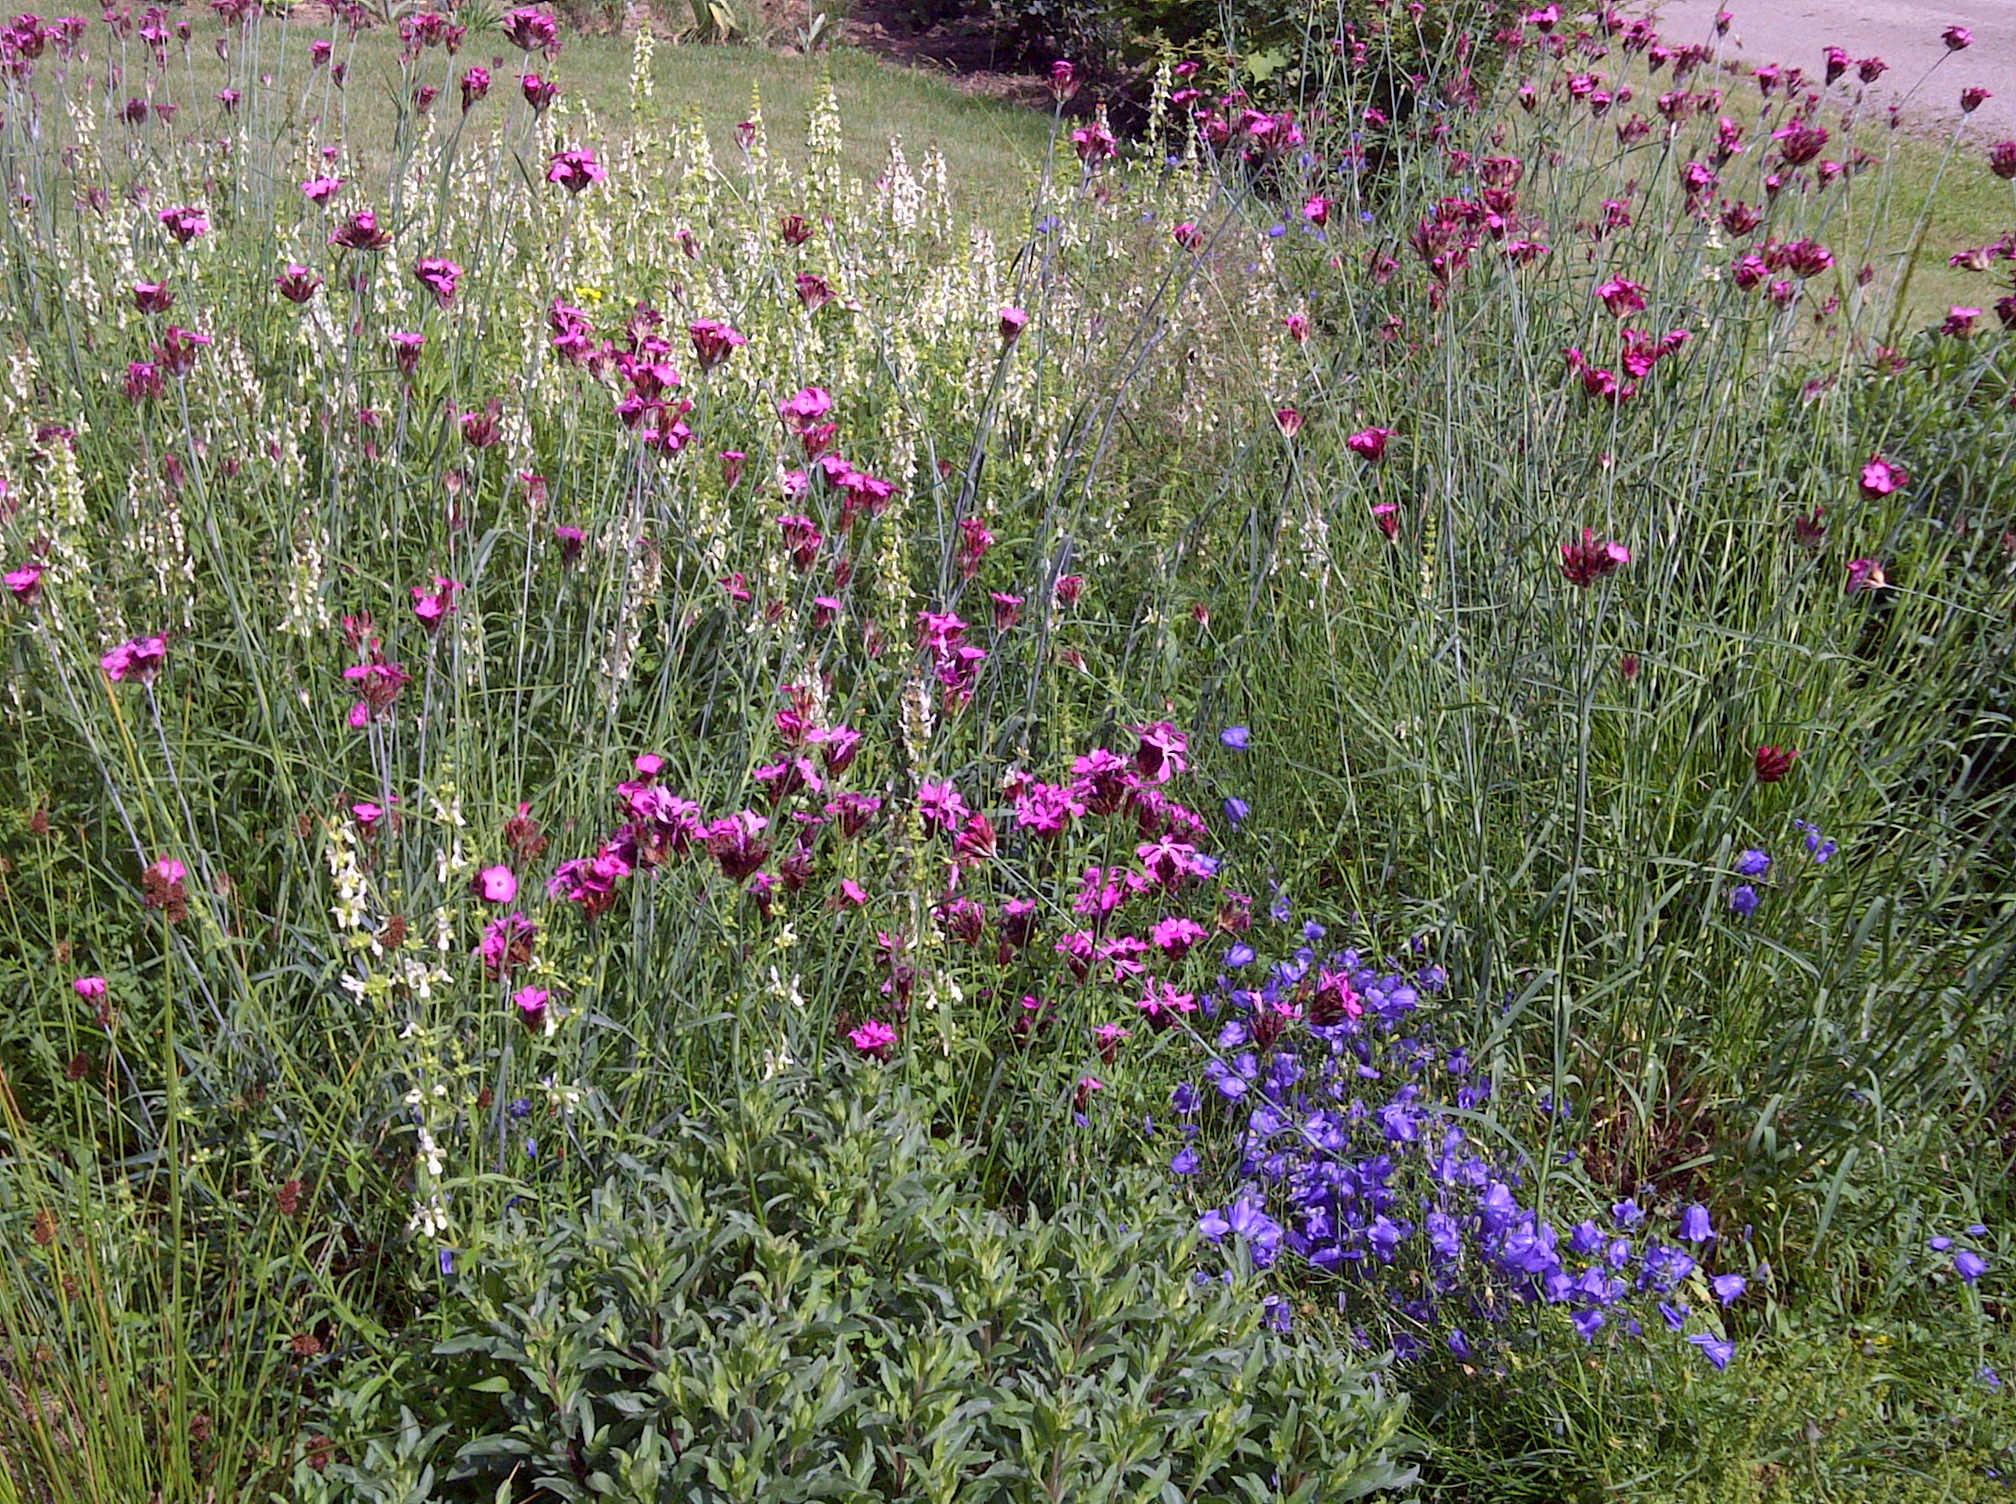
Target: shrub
802	1300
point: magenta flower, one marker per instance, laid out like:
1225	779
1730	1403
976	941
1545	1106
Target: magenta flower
178	348
1063	79
1960	322
1881	478
25	583
1957	38
321	190
406	348
1622	297
140	659
1317	210
1799	143
1972	100
575	170
939	804
1069	587
184	225
484	427
1370	445
873	1039
1773	763
360	232
1289	421
432	607
1869	69
531	1005
1590	560
1297	325
507	945
1162	753
1175	936
439	276
714	342
475	84
497	885
1188	236
380	684
539	92
1094	143
735	844
1865	574
90	988
805	408
571	541
152	297
297	284
1013	321
143	381
531	30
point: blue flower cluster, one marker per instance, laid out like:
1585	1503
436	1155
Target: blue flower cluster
1341	1121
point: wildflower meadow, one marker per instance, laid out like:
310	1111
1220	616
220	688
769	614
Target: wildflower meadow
1308	797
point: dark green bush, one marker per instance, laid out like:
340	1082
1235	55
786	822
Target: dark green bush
804	1301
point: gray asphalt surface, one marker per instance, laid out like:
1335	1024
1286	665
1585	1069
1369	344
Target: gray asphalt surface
1904	33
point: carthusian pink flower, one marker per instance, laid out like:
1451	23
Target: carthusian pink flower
531	1005
475	84
321	190
152	297
25	583
714	342
530	30
185	225
1881	478
1957	38
1370	444
575	170
803	409
1590	560
432	607
297	284
1972	100
1960	322
90	988
1094	143
1773	763
873	1039
360	232
1013	320
1622	297
140	659
1865	574
539	92
438	275
497	884
406	348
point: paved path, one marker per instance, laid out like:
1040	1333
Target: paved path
1904	33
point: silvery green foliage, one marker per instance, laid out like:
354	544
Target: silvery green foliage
804	1301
